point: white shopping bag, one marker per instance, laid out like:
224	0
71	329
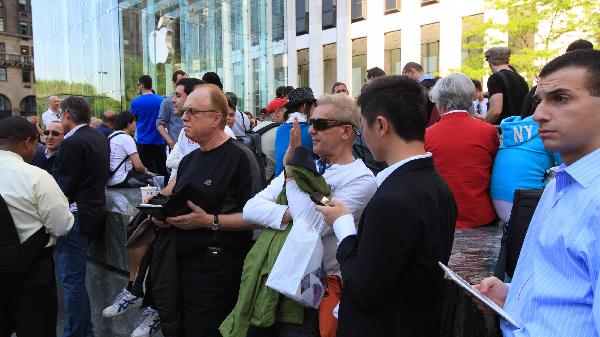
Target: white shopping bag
298	269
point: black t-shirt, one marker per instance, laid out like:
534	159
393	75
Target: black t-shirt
513	96
230	173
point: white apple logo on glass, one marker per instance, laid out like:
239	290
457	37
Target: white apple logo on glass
160	44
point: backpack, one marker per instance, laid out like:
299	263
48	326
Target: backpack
431	113
112	172
17	257
252	139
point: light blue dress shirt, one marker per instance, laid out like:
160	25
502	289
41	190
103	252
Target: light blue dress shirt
555	290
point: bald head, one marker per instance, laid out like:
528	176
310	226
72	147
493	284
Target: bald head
108	118
54	103
210	95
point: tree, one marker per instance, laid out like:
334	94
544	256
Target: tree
533	28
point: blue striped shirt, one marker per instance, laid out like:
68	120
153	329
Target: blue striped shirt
556	290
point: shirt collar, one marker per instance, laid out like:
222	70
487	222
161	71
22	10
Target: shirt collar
73	130
584	170
48	154
454	111
425	77
301	117
11	154
57	114
382	176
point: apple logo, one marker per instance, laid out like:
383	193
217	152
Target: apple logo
160	43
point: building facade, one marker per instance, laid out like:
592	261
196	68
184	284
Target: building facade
17	88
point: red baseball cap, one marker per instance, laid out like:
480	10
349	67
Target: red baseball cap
276	104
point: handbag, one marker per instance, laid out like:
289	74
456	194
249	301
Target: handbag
298	271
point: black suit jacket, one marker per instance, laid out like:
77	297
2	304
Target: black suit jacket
81	169
41	161
392	283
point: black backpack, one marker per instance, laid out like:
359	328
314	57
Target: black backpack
252	139
17	257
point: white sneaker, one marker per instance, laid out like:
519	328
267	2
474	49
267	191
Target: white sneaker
149	323
123	302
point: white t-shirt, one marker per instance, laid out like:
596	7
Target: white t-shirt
49	116
121	146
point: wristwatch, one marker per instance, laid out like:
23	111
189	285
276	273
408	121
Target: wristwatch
215	225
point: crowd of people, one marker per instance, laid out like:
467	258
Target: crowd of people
403	165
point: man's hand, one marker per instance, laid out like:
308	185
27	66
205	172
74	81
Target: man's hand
332	212
160	223
171	144
198	218
295	140
495	290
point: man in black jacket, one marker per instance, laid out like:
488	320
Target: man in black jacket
392	283
81	170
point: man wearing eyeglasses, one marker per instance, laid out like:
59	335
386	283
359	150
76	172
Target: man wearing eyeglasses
44	157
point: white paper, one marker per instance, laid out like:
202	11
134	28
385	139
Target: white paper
485	300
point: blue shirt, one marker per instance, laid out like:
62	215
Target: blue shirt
145	108
167	118
282	139
555	290
104	129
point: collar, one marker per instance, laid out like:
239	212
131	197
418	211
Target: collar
48	154
584	171
425	77
301	117
73	130
382	176
57	114
457	112
4	153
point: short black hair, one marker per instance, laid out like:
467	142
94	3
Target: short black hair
177	73
477	84
232	99
586	59
78	107
375	72
412	65
400	100
189	84
16	129
283	91
146	81
580	45
212	78
123	119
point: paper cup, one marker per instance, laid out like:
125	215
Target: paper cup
148	192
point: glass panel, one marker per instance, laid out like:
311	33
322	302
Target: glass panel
1	24
278	16
329	14
4	102
359	64
303	68
430	44
2	48
329	66
392	6
27	106
25	76
2	74
301	17
280	67
392	53
358	10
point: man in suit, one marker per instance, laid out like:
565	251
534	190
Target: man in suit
81	170
45	156
392	283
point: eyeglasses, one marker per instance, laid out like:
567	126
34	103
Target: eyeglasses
53	133
193	112
322	124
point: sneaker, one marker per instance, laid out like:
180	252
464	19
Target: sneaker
123	302
149	324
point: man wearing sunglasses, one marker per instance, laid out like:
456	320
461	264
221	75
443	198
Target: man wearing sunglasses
44	157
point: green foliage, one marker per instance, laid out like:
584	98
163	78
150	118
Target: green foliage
530	40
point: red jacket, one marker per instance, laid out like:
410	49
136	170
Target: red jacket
463	150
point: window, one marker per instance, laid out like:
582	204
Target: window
23	28
24	50
1	24
301	17
303	68
392	6
430	47
27	106
329	14
2	48
278	15
428	2
3	74
26	76
392	52
23	6
358	10
5	104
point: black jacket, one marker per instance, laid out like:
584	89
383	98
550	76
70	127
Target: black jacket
81	169
392	283
41	161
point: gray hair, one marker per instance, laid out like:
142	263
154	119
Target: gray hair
454	92
346	109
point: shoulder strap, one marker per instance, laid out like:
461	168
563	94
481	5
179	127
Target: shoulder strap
112	172
243	122
115	134
264	129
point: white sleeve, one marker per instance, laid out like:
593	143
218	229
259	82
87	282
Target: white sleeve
302	207
128	145
174	157
53	206
344	227
262	208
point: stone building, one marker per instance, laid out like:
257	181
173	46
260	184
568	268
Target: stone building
17	87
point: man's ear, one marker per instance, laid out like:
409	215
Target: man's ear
382	125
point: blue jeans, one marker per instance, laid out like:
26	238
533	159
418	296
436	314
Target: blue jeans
71	264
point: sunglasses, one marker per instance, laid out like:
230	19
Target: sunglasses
53	133
322	124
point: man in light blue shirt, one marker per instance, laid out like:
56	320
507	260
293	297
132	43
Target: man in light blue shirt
555	289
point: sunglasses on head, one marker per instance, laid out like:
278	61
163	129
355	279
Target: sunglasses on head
321	124
53	133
